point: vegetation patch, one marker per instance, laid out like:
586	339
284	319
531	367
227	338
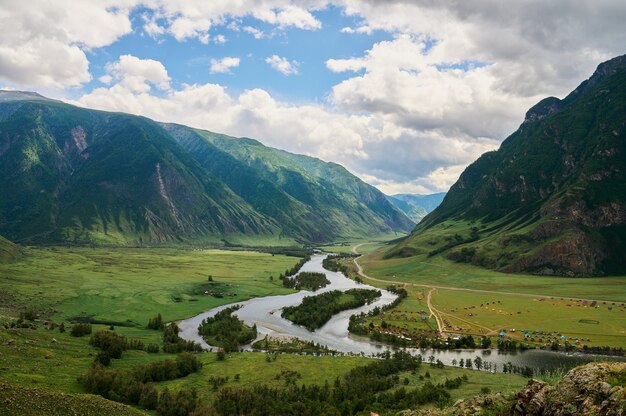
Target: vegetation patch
306	280
290	345
315	311
226	331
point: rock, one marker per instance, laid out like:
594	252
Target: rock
54	340
604	388
584	391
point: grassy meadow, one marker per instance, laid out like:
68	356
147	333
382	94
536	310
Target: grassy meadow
439	271
129	286
550	304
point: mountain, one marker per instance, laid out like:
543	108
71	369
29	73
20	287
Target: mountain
75	175
314	197
552	199
416	206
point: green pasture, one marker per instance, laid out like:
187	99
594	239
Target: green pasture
439	271
603	323
128	286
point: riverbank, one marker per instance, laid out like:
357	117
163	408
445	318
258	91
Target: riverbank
265	314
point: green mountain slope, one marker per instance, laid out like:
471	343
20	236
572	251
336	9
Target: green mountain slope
552	199
416	206
82	176
314	198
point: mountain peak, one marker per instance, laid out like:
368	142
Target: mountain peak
551	200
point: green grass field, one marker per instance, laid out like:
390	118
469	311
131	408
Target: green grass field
603	324
438	271
365	245
526	302
406	318
129	286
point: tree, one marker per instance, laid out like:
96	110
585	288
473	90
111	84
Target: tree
478	363
149	397
485	343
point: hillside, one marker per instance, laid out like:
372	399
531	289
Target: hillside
552	199
23	401
81	176
8	250
306	194
416	206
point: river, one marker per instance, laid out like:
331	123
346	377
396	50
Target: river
265	313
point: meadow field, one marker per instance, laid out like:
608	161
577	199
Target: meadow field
127	286
122	289
482	302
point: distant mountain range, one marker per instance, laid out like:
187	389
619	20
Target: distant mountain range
74	175
552	199
416	206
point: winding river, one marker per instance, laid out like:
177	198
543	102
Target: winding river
265	313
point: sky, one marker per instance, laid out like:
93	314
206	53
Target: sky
404	94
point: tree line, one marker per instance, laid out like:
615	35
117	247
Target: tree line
136	386
369	388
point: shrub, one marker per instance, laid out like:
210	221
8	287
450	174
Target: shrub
80	330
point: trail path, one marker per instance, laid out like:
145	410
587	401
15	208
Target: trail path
463	289
434	312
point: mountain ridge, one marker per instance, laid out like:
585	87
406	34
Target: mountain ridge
416	206
92	177
552	199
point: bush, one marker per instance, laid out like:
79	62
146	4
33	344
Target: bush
152	348
156	322
80	330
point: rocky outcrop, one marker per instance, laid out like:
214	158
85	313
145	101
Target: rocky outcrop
593	389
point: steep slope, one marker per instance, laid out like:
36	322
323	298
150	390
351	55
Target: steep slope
76	175
416	206
80	176
320	200
552	199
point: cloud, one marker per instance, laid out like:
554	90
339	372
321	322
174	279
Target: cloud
195	19
371	145
43	44
452	80
283	65
256	33
137	75
224	65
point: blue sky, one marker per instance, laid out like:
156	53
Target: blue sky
189	61
403	94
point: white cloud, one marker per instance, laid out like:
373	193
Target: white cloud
194	19
453	81
137	75
372	145
43	43
282	65
365	30
224	65
256	33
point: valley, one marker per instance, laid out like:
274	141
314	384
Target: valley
149	267
59	285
